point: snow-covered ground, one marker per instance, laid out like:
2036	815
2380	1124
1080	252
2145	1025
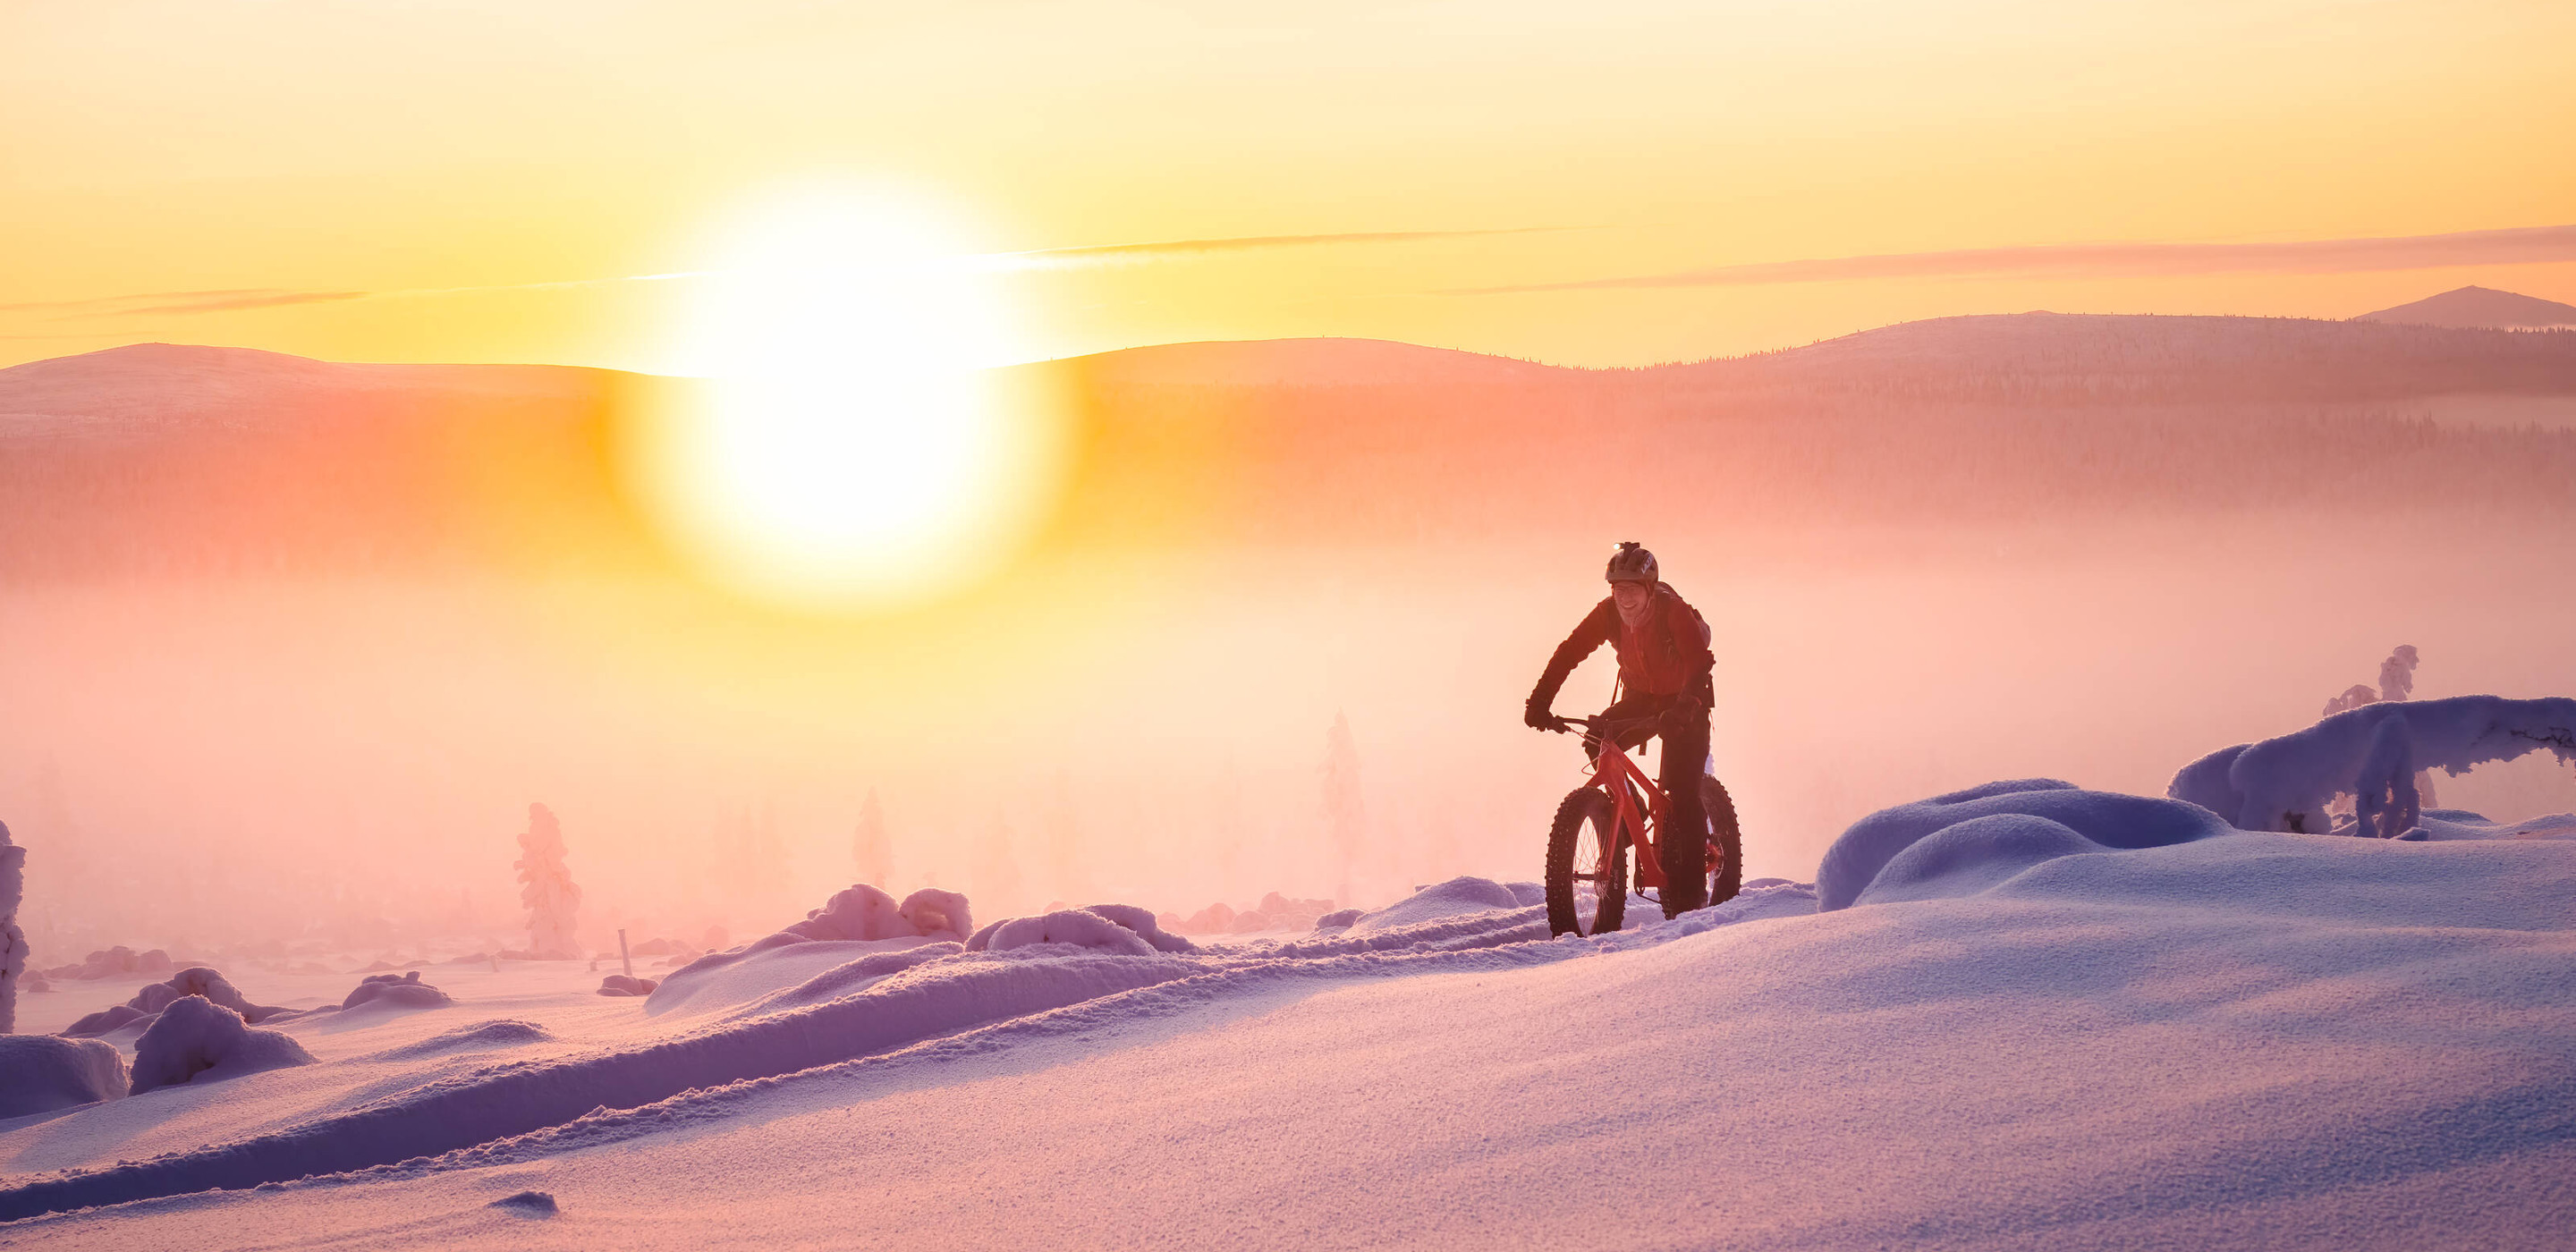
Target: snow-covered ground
2219	1039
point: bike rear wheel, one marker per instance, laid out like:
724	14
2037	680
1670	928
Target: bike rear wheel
1726	842
1587	866
1715	859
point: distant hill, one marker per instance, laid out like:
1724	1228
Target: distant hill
2479	307
161	457
161	389
2016	358
1306	362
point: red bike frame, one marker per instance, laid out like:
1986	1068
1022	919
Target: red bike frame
1614	773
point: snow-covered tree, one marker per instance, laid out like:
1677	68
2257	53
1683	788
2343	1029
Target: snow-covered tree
2374	753
1068	874
546	886
1344	817
875	852
2396	682
996	867
13	941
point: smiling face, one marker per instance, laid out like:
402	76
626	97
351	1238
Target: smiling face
1632	598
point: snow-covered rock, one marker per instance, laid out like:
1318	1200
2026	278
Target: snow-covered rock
194	1037
1120	929
621	985
41	1073
114	962
196	980
938	915
396	991
858	911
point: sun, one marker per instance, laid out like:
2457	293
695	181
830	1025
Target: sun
849	445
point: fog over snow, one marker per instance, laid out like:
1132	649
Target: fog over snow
464	873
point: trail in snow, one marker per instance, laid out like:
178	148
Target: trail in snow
878	1002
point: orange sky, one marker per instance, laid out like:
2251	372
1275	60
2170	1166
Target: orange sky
290	149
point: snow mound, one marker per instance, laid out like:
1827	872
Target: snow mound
2371	753
856	912
1971	861
114	962
1458	897
1971	856
846	979
195	981
396	991
622	985
728	980
196	1037
511	1098
936	914
2449	824
856	922
527	1204
1118	929
40	1073
500	1032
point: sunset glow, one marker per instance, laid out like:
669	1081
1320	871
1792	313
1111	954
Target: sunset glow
847	448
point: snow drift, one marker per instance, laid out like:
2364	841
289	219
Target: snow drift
1121	929
41	1073
1941	847
880	1001
2371	752
858	920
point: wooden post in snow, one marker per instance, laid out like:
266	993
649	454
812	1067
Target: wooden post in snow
622	957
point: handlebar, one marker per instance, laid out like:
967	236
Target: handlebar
1608	727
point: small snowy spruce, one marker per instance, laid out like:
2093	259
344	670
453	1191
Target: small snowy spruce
546	887
1344	818
873	850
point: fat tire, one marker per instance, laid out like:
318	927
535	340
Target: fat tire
1726	878
1581	807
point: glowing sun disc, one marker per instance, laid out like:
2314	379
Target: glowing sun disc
850	445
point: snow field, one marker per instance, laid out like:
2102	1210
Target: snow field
2245	1040
2022	1015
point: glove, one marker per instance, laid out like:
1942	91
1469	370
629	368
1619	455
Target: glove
1685	709
1536	716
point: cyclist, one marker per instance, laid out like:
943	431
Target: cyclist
1664	673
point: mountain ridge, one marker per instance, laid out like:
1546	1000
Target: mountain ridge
2478	307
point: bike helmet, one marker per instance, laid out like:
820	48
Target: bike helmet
1631	564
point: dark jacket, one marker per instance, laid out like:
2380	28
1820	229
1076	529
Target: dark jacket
1666	655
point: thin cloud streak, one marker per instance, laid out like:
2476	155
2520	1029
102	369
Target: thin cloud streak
1046	257
2518	246
181	303
271	300
177	302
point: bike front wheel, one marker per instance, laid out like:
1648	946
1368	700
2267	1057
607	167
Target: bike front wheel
1587	866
